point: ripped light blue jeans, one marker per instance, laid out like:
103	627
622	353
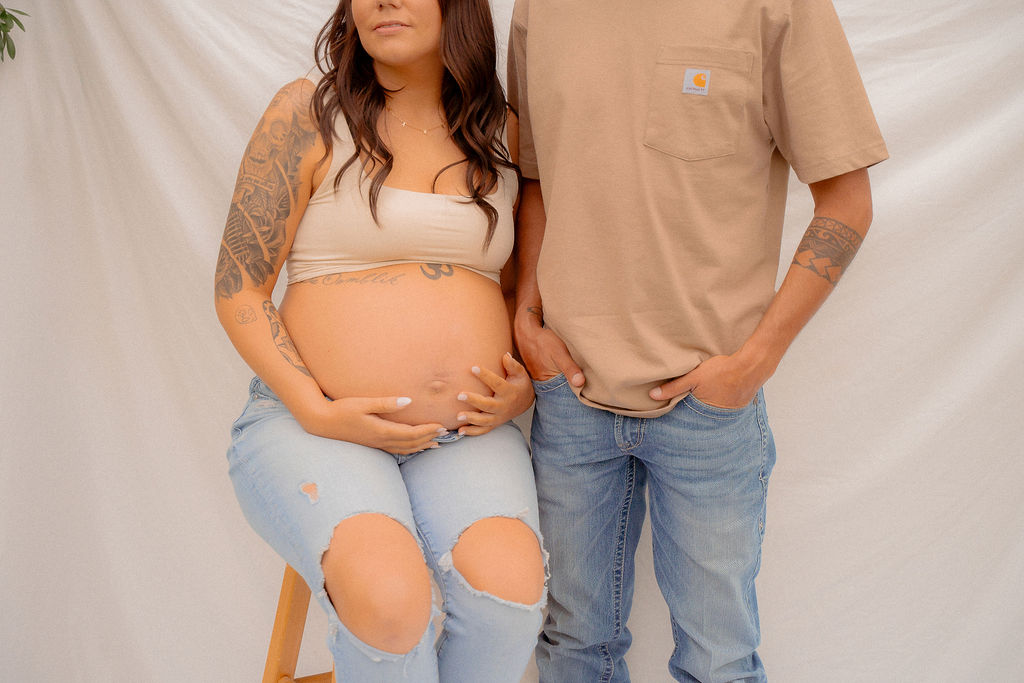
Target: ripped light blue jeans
294	488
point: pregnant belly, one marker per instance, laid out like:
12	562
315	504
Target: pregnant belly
409	330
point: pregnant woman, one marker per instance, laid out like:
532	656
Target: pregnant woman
376	445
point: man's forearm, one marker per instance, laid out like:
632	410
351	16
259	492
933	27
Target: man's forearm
842	217
530	223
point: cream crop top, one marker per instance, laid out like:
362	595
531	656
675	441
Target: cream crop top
337	234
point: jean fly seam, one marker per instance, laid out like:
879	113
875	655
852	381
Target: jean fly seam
621	441
618	568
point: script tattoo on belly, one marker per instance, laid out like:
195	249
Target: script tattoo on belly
265	195
435	271
827	248
282	340
385	278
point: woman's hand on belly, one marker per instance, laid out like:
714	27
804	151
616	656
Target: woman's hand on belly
365	421
512	395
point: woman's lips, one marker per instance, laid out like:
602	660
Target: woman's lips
389	27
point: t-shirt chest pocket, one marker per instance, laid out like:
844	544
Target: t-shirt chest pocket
696	101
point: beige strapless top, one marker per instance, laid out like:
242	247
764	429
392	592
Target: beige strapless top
337	234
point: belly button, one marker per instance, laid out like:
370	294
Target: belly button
437	386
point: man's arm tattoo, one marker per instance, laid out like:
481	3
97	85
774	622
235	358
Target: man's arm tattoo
827	248
282	340
265	195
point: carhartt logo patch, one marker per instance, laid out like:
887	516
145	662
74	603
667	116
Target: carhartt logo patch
696	81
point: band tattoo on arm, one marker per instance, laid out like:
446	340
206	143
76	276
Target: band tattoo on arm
282	340
265	194
435	271
827	248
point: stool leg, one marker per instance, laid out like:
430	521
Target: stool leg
289	623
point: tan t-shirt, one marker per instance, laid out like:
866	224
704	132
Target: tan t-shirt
662	134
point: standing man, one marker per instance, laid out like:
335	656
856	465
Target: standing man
662	134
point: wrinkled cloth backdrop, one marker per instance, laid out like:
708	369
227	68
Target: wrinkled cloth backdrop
895	543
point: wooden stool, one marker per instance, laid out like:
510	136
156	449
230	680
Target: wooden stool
283	653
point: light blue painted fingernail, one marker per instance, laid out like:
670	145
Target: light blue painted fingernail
476	370
462	397
403	401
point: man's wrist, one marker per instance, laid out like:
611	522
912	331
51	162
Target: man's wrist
530	314
759	361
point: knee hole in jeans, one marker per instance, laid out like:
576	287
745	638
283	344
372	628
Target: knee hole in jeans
378	582
501	556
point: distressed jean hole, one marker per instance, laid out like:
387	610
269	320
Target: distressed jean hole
378	582
501	556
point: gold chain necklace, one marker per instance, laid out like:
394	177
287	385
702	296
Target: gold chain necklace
406	124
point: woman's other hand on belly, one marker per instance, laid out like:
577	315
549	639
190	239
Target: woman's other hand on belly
365	421
512	395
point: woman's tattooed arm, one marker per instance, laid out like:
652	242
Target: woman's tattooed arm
270	193
282	340
266	194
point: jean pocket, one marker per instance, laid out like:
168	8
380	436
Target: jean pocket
714	412
549	384
696	101
262	403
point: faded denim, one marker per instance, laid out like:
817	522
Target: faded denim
294	488
706	471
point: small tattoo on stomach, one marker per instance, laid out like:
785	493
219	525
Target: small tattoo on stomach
435	271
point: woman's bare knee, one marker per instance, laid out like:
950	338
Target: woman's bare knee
380	586
501	556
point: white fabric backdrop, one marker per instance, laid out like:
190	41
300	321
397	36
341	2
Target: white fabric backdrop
895	544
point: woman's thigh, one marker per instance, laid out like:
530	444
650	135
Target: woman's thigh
465	481
294	488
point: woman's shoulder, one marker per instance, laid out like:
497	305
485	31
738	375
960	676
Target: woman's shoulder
295	95
288	122
293	106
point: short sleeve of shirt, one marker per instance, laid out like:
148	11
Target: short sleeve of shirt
814	100
517	88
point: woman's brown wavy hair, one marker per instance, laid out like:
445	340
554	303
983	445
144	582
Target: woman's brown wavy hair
474	103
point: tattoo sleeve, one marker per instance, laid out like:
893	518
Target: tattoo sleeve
282	340
827	248
265	195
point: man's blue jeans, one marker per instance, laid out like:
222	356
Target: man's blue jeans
706	470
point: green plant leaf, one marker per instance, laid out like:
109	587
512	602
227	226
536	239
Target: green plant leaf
8	21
